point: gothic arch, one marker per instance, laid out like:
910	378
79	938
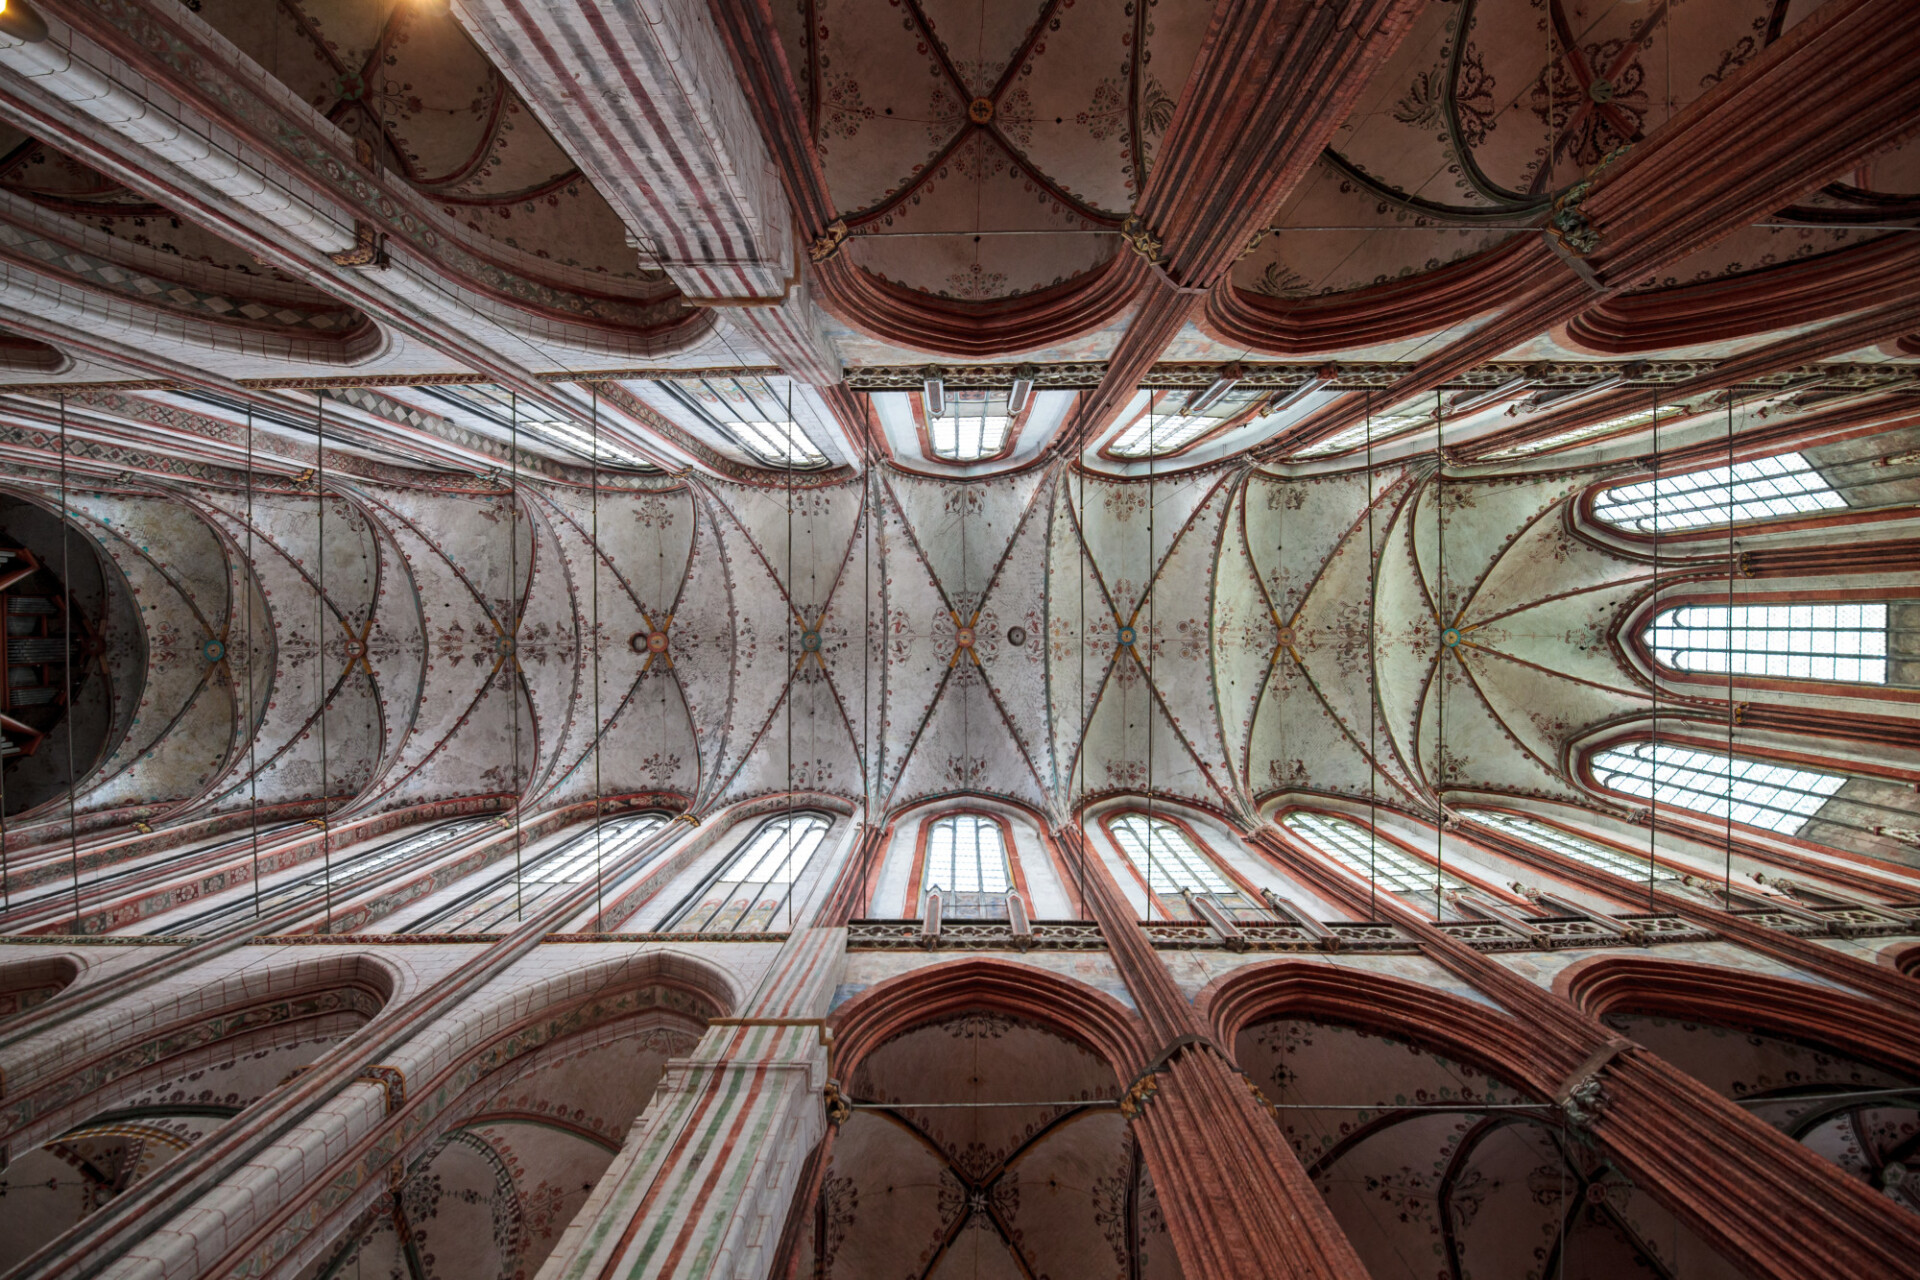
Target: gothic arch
1459	1028
25	984
901	1003
319	998
1600	985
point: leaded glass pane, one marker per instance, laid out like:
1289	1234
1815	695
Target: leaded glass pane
966	854
1841	641
1777	797
1353	847
1166	856
1764	489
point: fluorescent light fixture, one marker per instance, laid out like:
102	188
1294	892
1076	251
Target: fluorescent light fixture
1468	401
1282	401
1022	389
933	390
1225	379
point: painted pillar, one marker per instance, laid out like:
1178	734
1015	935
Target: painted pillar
1237	1200
702	1185
1707	1160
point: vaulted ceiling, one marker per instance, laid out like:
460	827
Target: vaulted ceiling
532	294
1223	637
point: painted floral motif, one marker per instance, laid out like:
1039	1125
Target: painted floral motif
655	511
1106	116
975	282
842	111
1590	120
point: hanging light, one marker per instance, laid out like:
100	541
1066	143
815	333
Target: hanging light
1022	389
1468	401
1225	379
1316	381
19	21
933	390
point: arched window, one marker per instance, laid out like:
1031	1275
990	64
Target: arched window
1172	864
1165	425
317	880
747	891
1791	641
1765	489
1366	855
967	862
1590	852
754	413
500	897
1772	796
973	424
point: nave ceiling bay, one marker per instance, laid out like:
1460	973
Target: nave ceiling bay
1225	637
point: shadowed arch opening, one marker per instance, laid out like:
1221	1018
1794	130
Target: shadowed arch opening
538	1110
983	1135
106	1117
26	984
1836	1073
1423	1121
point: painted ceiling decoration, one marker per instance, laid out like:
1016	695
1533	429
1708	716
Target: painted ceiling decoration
959	638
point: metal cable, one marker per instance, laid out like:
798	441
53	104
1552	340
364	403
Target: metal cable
1440	667
253	727
320	611
599	729
66	583
510	657
1373	699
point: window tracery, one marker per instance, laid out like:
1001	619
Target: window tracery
501	897
316	884
1764	489
753	414
1588	852
1367	855
1776	797
746	892
973	425
1838	641
967	862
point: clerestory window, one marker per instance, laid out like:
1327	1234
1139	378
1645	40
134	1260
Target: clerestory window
973	425
747	891
755	413
1773	796
1354	847
967	863
1171	863
1765	489
1793	641
966	853
1591	852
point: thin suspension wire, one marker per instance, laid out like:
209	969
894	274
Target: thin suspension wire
320	610
599	728
866	597
1080	736
1732	568
1373	699
792	670
510	660
1440	668
253	728
1653	676
66	583
1153	445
